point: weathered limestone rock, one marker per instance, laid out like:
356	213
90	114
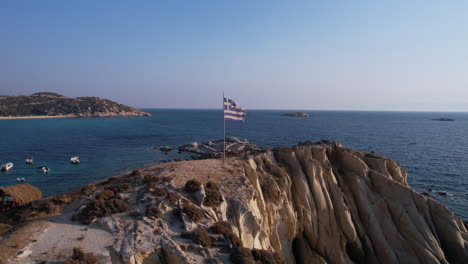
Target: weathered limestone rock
312	203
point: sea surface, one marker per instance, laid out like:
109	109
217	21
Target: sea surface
434	153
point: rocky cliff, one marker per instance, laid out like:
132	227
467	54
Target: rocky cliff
311	203
52	104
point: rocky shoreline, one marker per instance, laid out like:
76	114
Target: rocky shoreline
310	203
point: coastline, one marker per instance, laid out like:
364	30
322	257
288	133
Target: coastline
31	117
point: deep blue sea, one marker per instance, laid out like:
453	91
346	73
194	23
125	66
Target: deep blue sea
434	153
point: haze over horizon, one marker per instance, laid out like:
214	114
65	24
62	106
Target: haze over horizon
360	55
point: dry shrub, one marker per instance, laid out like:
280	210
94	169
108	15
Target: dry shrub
193	213
80	257
153	211
251	256
136	173
158	192
192	185
242	256
19	217
224	228
201	237
213	195
88	189
173	197
61	199
102	208
118	188
267	257
47	207
105	195
167	179
151	179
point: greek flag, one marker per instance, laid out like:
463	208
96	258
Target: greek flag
232	111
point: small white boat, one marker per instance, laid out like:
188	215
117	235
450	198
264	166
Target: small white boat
7	166
20	179
75	160
29	160
43	169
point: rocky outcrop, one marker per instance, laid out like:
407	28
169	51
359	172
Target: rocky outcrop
214	149
51	104
312	203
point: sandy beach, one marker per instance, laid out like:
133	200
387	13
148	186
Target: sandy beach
32	117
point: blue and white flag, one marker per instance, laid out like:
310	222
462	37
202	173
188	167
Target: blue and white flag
233	111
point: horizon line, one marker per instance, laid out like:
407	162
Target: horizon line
323	110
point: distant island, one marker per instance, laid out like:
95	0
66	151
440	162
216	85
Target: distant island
296	114
50	105
443	119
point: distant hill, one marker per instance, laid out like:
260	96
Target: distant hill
52	104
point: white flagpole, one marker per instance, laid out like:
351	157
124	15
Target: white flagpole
224	133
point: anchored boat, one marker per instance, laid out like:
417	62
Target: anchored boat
75	160
7	166
29	160
43	169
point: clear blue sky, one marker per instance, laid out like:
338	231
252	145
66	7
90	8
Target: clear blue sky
350	55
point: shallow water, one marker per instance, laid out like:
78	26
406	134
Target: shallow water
434	153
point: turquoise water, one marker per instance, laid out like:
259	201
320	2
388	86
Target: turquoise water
434	153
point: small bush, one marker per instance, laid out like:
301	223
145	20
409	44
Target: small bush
213	195
19	217
105	195
118	188
166	179
61	199
201	236
159	192
267	257
193	213
102	208
153	211
135	173
224	228
88	189
242	256
48	207
80	257
151	179
173	197
192	185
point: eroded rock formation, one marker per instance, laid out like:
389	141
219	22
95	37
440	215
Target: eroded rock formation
312	203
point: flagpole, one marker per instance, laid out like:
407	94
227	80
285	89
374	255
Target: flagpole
224	133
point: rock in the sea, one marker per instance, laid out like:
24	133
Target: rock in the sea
214	149
166	149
